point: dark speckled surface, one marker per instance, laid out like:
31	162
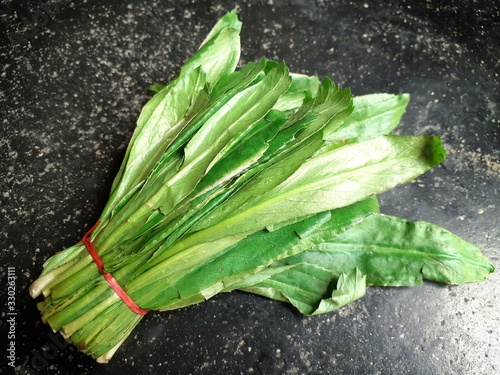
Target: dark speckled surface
73	81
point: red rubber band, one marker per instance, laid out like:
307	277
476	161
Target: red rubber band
109	278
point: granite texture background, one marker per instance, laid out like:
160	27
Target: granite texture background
74	78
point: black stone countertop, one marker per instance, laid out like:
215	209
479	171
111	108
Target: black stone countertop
74	78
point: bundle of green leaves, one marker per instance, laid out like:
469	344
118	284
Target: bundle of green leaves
252	179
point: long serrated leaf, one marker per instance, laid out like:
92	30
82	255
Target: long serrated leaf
226	88
216	269
395	252
304	83
302	88
229	121
218	55
229	20
298	141
373	115
334	179
164	123
312	289
241	111
332	106
216	184
242	151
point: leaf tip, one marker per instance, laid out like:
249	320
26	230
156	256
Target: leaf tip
434	150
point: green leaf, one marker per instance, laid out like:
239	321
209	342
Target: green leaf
304	83
170	187
228	21
239	113
302	88
332	106
226	88
312	289
218	55
243	151
331	180
216	273
215	268
160	130
293	145
394	252
156	87
373	115
220	51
